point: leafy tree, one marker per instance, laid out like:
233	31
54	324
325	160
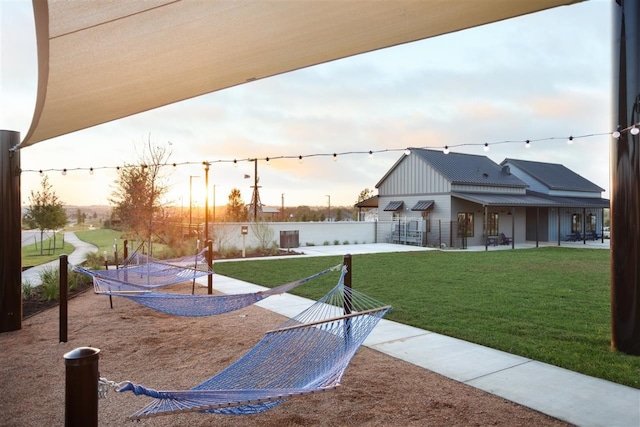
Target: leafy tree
236	210
364	195
137	198
46	211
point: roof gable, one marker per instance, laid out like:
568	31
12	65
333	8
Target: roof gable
554	176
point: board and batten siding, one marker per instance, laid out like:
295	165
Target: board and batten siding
413	176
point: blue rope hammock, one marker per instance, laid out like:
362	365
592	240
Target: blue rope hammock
306	354
107	282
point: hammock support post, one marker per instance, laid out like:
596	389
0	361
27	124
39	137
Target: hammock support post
81	387
210	264
63	282
348	305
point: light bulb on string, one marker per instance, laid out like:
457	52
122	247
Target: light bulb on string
634	130
570	140
41	173
527	144
407	152
335	157
64	171
616	133
446	149
299	159
486	146
90	171
370	154
235	163
267	159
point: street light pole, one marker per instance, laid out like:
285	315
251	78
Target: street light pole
282	214
329	217
191	199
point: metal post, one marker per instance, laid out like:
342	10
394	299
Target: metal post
625	180
81	387
63	282
210	264
10	230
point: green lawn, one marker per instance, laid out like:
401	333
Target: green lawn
547	304
38	253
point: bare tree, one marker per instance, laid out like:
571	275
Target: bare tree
137	198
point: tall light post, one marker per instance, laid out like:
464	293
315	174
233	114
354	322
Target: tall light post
282	214
191	199
329	217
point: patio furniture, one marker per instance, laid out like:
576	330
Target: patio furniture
504	240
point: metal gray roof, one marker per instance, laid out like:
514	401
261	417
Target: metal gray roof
532	199
460	168
554	176
423	205
394	206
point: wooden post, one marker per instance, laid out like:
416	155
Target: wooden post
63	282
10	230
348	303
210	264
625	180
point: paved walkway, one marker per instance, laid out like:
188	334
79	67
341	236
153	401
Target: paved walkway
82	249
560	393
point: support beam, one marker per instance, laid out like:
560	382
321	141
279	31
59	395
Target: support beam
10	233
625	181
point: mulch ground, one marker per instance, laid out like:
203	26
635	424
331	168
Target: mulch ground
168	352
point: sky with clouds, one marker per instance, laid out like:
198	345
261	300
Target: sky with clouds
544	76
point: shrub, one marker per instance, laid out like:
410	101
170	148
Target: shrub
50	284
346	242
28	290
309	244
326	243
336	242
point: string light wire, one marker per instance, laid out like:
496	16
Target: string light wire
632	129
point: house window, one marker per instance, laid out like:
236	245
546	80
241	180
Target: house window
591	223
576	223
492	224
465	224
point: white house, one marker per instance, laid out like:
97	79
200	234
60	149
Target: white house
456	199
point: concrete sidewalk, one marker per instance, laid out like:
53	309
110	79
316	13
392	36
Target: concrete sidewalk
79	255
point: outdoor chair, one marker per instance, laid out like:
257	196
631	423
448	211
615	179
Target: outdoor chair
504	240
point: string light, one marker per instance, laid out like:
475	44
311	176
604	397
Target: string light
632	129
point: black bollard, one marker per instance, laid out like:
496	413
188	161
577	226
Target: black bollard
81	387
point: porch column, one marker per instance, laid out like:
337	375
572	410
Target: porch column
10	233
625	181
